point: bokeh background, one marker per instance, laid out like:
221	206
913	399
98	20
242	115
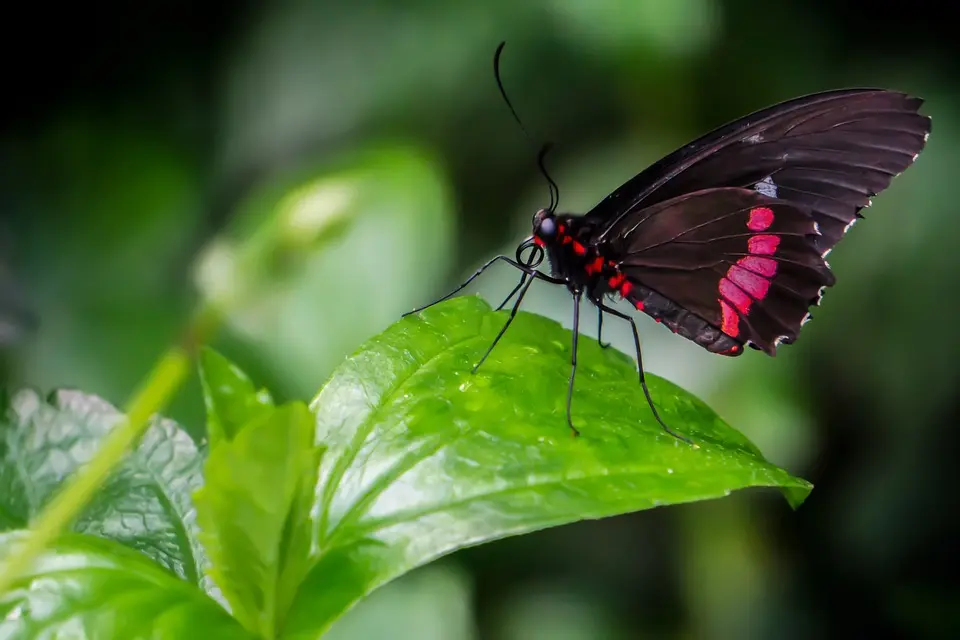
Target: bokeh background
135	136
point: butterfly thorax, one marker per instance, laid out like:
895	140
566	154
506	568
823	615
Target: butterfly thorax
583	265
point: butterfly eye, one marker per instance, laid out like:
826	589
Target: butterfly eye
547	228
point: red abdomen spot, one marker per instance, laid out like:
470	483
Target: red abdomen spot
579	249
763	244
594	267
760	219
616	281
537	241
730	321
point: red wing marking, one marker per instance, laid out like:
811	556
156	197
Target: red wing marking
639	305
735	296
763	244
750	282
616	281
749	278
625	289
730	323
537	241
760	219
579	249
568	240
761	266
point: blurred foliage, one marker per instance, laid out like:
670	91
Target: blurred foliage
121	163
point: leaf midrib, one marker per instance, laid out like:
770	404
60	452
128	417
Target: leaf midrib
178	523
413	514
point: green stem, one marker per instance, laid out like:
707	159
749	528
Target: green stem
77	491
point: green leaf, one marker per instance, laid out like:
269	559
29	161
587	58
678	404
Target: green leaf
230	396
254	510
87	587
425	458
146	504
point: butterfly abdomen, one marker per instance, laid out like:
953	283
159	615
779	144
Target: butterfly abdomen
596	269
682	321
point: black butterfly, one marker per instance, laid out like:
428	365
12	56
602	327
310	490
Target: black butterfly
725	240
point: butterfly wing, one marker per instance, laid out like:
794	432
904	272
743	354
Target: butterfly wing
827	152
727	259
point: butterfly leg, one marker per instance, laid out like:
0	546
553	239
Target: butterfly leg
573	359
513	314
529	271
603	345
643	382
523	279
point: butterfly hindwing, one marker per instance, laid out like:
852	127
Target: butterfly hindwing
745	263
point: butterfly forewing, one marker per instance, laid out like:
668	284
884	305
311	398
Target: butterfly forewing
746	263
828	153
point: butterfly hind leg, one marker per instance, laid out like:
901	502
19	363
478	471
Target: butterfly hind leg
643	383
603	345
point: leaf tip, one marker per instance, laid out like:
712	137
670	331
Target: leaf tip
797	494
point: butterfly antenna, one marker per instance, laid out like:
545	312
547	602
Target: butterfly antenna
554	190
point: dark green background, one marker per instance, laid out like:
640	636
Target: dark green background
131	137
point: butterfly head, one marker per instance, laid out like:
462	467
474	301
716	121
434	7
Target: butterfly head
544	227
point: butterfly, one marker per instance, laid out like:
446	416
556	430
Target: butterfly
725	240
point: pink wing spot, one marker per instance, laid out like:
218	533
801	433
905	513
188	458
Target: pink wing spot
760	219
730	321
763	244
625	289
762	266
750	282
735	296
579	249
